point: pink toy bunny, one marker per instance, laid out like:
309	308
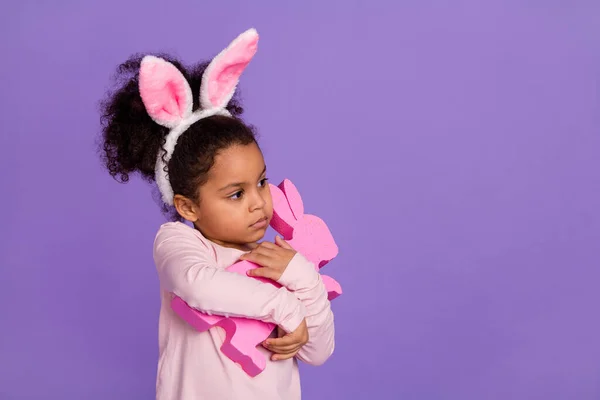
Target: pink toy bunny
307	234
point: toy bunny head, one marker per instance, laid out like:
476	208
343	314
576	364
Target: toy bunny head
306	233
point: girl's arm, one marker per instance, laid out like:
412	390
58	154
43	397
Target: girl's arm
186	269
301	278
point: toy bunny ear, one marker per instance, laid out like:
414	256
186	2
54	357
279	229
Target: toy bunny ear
334	289
165	92
293	198
223	73
283	220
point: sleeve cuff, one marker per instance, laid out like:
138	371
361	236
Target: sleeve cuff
299	274
295	318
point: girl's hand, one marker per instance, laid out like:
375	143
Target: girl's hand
287	345
273	258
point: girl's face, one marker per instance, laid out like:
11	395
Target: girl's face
235	206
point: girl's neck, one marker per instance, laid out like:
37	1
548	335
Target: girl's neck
237	246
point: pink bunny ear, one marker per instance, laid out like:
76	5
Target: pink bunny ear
165	92
293	197
223	73
283	220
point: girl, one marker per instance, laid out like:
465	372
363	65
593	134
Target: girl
182	129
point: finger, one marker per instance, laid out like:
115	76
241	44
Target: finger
257	258
290	348
285	349
264	251
282	243
283	356
268	245
284	341
262	273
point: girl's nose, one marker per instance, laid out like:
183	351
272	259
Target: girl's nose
258	201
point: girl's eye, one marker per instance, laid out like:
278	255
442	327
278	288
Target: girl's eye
263	182
236	195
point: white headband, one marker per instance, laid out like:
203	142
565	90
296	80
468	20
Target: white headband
167	96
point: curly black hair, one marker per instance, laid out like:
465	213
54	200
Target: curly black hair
131	140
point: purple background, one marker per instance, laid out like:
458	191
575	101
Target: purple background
452	147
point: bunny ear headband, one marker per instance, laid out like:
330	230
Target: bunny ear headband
167	95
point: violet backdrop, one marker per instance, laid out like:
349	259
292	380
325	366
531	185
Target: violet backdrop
452	148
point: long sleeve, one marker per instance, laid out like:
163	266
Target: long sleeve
187	269
301	278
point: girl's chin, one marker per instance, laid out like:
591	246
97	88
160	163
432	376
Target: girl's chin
257	235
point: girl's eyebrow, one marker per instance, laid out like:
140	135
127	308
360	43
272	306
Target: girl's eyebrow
263	171
231	186
240	184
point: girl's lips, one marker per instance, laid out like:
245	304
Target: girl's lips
261	223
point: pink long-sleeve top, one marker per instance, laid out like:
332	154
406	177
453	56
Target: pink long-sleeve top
191	365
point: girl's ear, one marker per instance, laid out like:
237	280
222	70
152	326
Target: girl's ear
222	75
186	208
165	92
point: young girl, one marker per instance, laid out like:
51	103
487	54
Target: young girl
182	129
